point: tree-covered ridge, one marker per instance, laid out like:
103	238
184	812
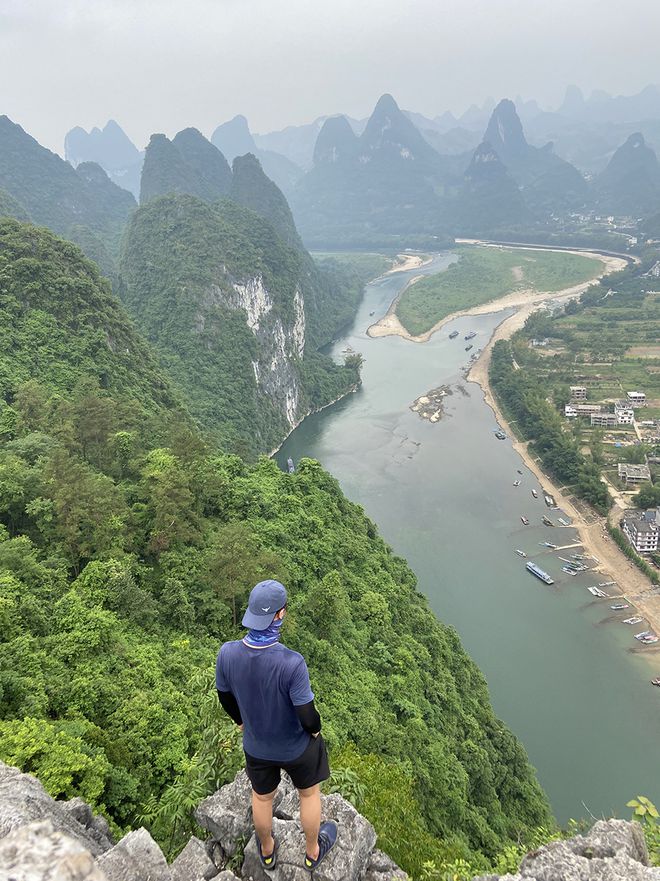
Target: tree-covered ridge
126	555
59	324
188	268
56	195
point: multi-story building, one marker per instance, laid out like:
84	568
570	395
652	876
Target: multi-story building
604	420
578	393
633	473
569	411
642	533
625	415
587	409
636	399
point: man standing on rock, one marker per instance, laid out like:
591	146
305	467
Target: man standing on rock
265	688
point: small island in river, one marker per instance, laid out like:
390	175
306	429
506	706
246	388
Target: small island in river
431	405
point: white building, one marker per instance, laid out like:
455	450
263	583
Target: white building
578	393
655	270
641	533
633	473
587	409
604	420
569	411
636	399
625	415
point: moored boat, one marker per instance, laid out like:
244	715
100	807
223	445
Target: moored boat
453	335
525	521
636	619
290	466
520	553
467	348
656	681
535	494
471	335
618	607
547	521
516	483
499	434
538	572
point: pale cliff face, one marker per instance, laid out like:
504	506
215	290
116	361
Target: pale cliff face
281	344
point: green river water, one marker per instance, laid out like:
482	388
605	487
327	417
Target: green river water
557	662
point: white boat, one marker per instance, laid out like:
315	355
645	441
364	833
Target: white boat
617	607
535	494
596	592
568	571
562	521
520	553
516	483
636	619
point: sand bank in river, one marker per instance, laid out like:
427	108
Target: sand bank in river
389	324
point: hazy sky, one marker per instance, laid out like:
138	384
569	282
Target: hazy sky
160	65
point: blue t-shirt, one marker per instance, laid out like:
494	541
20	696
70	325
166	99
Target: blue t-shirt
268	684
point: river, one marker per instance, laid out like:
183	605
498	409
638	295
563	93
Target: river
442	494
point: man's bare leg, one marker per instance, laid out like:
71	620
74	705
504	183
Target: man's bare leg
310	817
262	814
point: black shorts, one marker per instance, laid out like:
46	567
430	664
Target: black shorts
307	770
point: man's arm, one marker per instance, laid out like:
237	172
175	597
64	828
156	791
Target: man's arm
230	705
309	718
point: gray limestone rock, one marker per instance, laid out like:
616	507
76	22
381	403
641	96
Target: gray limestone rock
24	800
193	863
136	857
40	852
614	850
96	826
227	814
383	868
348	861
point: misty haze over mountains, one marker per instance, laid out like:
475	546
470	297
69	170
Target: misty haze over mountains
395	179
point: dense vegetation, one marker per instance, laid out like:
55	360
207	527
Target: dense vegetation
56	195
484	274
536	419
181	261
127	549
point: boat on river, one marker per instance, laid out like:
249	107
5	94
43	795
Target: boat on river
290	466
520	553
647	637
470	336
516	483
562	521
656	681
535	494
636	619
547	521
371	314
549	500
518	470
594	591
467	348
569	571
499	434
536	570
525	521
618	607
548	544
453	335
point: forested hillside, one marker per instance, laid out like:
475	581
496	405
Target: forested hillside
221	297
52	193
127	550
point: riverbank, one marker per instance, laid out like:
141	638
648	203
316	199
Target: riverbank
408	262
612	563
390	325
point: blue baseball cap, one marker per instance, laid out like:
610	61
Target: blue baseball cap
266	600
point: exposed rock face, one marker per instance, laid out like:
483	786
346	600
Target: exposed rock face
39	852
137	857
24	800
613	850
